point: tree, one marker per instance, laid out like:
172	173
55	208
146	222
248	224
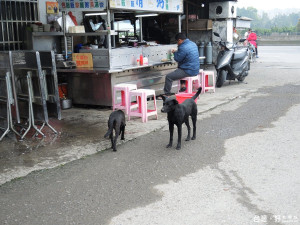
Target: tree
264	25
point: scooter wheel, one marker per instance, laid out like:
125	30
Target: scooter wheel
221	78
242	78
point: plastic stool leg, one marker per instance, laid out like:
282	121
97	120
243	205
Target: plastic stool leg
145	109
155	106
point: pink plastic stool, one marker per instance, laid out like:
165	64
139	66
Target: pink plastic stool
142	110
205	81
125	100
201	78
189	84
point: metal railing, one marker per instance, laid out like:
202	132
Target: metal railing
15	15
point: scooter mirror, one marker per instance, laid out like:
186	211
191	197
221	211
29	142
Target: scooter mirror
216	34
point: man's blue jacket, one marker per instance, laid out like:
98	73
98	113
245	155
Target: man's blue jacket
187	57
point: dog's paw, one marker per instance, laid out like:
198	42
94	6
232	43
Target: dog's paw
178	147
169	146
123	139
193	138
188	139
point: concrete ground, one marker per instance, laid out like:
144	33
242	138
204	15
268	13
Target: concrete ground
81	130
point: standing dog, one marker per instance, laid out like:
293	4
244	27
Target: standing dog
116	121
179	114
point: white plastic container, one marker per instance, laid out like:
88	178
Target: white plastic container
145	61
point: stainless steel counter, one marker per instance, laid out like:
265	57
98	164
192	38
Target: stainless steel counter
120	58
93	86
113	70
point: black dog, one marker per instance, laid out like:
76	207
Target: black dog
179	114
116	121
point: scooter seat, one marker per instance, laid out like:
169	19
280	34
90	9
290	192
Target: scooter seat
239	54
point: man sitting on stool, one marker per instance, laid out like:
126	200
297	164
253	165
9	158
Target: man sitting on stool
187	57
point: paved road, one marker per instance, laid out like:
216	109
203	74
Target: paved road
242	169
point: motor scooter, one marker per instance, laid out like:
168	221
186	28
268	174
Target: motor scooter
232	63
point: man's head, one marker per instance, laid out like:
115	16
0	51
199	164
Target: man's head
250	30
180	37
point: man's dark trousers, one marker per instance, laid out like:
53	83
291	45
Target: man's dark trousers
176	75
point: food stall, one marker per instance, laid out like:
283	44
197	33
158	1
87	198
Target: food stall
139	59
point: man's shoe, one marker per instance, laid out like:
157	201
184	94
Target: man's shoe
183	89
160	97
257	56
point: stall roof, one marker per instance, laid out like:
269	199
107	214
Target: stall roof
242	22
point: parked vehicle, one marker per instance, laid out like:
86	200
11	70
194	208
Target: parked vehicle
232	62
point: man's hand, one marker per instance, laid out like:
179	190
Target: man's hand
174	50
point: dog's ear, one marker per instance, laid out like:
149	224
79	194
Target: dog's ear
175	101
164	97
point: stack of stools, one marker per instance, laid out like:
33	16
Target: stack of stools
142	110
190	83
207	76
125	99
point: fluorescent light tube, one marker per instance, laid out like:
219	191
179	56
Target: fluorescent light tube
146	15
96	14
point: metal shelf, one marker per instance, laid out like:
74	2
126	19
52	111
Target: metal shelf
47	34
88	34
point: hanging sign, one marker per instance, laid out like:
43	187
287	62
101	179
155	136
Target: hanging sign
171	6
82	5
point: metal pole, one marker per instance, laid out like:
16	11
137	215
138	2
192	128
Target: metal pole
14	88
108	38
109	28
187	19
7	28
12	27
17	26
179	23
1	21
64	32
141	28
113	28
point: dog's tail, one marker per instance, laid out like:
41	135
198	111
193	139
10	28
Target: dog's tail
110	128
197	94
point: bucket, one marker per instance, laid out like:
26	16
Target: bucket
181	97
66	103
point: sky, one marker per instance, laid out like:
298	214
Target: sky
269	4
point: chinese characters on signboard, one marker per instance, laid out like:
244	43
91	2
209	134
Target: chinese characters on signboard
175	6
82	5
83	59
